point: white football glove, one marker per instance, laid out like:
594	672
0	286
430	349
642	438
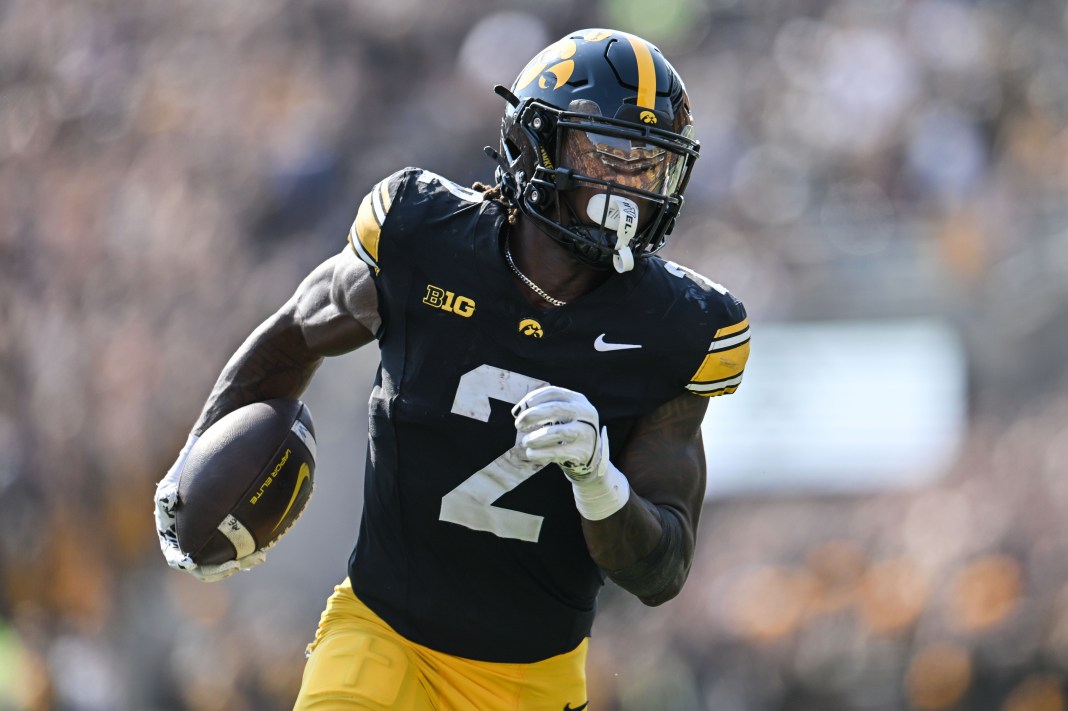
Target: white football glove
561	426
166	500
211	573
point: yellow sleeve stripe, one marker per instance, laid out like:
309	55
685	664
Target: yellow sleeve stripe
721	371
728	330
731	382
722	364
365	232
379	202
730	337
385	199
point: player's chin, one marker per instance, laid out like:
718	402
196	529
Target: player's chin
594	246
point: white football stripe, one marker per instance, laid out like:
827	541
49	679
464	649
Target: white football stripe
377	206
361	252
715	385
240	536
306	437
730	342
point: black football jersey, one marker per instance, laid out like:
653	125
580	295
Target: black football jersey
464	546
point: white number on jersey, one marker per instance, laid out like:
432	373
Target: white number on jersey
681	271
471	503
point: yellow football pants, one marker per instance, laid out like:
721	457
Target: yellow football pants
357	661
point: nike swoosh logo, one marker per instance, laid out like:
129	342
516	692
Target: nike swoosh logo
602	346
567	706
302	475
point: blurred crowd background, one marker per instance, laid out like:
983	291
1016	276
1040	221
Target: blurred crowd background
169	170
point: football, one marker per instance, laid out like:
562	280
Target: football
246	481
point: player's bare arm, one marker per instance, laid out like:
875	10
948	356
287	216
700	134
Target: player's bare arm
648	545
333	312
639	521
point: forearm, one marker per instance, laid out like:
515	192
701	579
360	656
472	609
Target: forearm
639	526
644	548
273	362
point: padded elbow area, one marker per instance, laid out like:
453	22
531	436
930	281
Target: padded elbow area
657	572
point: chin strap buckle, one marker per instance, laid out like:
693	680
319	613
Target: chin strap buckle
503	174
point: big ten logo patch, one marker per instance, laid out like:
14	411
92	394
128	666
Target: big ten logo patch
448	301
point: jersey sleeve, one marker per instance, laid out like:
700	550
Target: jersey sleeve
721	370
366	232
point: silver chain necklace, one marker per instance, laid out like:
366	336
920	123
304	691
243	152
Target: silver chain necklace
526	280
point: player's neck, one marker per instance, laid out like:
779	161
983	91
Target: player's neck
549	266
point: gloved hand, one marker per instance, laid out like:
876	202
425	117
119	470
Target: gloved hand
211	573
561	426
166	501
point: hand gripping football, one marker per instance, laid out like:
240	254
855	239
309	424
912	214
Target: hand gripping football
246	481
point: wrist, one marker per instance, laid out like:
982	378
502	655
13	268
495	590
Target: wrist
600	496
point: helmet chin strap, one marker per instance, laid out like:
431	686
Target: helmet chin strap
617	213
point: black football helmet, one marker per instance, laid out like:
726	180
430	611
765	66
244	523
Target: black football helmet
600	118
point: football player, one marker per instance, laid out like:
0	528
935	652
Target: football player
535	424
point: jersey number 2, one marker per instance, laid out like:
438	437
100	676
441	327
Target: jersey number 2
471	503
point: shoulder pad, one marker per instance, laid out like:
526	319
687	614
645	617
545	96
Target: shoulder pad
410	192
720	372
366	229
427	177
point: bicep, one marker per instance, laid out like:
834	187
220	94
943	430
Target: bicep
336	306
330	314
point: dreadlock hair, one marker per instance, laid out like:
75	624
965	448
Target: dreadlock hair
496	193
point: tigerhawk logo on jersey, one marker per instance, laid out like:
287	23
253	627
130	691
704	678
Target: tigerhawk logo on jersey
530	327
449	301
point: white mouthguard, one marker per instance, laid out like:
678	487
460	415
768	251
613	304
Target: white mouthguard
622	216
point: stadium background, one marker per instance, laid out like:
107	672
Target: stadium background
169	171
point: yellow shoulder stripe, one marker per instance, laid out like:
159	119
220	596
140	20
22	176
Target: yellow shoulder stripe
728	330
384	196
720	373
723	365
365	233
